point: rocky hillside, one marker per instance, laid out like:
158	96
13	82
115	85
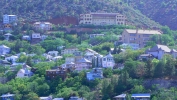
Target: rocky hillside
35	10
162	11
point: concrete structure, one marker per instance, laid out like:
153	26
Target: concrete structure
4	50
120	97
83	64
69	51
60	72
137	36
46	26
24	72
7	19
141	96
8	96
96	35
95	73
103	19
108	61
158	51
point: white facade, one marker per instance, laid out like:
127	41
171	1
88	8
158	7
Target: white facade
96	35
24	73
69	51
108	61
53	53
36	36
9	19
133	46
103	19
95	73
4	50
158	51
43	25
13	59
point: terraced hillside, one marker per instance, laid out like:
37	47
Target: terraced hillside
33	10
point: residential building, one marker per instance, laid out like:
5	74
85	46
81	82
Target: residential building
120	97
95	73
70	66
96	35
103	19
132	46
12	59
7	97
83	64
137	36
56	58
7	36
35	38
108	61
94	57
7	19
26	37
75	98
53	53
4	50
146	57
141	96
58	99
158	51
24	72
69	51
60	72
46	26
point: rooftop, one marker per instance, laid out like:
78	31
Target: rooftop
120	96
133	31
145	95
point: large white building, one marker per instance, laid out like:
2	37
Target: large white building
103	19
4	49
108	61
7	19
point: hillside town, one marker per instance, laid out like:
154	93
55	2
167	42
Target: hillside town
100	47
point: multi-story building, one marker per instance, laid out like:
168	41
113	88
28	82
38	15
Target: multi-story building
108	61
7	19
103	19
136	36
46	26
60	72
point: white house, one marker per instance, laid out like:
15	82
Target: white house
69	51
7	19
57	58
108	61
133	46
53	53
95	73
83	64
4	49
12	59
24	72
158	51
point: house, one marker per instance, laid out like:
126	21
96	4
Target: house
57	58
60	72
24	72
8	19
95	73
46	26
83	64
141	96
7	36
70	66
46	98
26	37
53	53
7	97
75	98
4	50
120	97
146	57
69	51
103	19
158	51
132	46
108	61
12	59
35	38
137	36
92	55
96	35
